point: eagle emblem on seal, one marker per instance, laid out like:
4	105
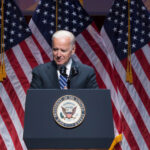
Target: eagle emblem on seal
69	114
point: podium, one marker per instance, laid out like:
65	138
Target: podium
42	132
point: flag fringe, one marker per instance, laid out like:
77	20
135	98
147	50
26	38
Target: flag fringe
116	140
129	76
1	75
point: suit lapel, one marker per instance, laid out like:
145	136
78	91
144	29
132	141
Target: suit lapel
54	76
74	64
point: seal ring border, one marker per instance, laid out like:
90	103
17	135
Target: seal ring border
78	103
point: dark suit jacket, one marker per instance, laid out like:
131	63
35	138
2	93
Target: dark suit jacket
45	77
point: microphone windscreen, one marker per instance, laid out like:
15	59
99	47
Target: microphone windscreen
62	70
74	70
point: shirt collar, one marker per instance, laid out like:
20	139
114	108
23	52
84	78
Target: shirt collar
68	68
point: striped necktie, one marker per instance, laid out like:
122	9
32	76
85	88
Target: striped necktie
62	82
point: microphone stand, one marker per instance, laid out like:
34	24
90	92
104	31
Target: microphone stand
74	72
68	82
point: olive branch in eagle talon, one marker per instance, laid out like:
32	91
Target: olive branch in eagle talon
69	114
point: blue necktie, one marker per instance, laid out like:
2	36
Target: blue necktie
62	82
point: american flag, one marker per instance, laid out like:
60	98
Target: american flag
21	55
134	99
90	48
43	21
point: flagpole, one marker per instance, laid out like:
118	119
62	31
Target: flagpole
56	14
2	65
129	77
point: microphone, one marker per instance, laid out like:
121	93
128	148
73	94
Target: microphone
74	71
62	70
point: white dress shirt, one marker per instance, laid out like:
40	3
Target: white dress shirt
68	68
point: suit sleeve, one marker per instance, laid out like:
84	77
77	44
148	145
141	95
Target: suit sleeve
36	80
92	83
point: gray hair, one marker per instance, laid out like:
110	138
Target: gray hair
64	33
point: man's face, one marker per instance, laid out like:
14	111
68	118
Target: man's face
62	50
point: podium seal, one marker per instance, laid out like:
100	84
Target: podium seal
69	111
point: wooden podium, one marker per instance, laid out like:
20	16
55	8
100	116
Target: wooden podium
42	132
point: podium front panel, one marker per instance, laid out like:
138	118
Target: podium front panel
41	130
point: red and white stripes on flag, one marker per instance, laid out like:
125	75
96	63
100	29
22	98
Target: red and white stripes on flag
130	103
134	99
21	55
19	61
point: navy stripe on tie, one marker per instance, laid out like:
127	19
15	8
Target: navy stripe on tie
62	81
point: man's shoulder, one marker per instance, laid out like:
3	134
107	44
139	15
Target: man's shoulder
82	66
43	66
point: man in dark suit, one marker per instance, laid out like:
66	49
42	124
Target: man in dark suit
76	74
